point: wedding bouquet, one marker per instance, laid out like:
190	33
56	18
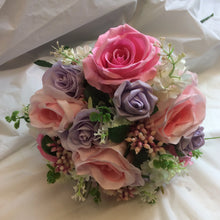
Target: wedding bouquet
122	118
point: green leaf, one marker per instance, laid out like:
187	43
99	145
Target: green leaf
94	192
8	119
17	124
44	144
96	95
155	110
196	153
141	157
51	167
14	115
66	47
94	116
118	134
52	176
43	63
106	117
156	164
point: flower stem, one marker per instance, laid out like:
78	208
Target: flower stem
205	19
211	138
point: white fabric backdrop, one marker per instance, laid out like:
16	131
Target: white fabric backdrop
25	25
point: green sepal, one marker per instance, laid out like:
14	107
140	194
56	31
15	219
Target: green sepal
118	134
44	144
43	63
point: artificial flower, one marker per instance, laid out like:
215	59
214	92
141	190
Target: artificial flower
108	167
134	100
52	115
63	81
181	117
81	133
121	54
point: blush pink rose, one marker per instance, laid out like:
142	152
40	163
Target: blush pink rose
52	115
108	167
181	117
121	54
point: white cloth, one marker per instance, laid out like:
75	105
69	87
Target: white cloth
25	25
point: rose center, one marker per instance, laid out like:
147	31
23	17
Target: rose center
48	116
84	136
137	103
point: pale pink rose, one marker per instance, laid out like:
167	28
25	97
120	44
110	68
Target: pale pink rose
108	167
180	117
52	115
121	54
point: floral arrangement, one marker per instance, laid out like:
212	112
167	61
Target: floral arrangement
122	118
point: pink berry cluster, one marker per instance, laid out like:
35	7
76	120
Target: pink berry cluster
142	136
64	161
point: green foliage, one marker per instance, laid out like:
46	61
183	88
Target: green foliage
45	144
104	115
165	161
98	97
196	153
52	175
118	134
95	193
43	63
141	157
155	110
16	118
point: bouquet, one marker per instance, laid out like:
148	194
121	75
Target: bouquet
122	118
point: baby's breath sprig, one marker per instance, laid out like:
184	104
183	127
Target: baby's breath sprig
69	55
168	53
80	186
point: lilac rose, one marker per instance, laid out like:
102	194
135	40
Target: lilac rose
81	133
134	100
194	142
63	81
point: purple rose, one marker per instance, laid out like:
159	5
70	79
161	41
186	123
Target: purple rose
134	100
81	133
63	81
194	142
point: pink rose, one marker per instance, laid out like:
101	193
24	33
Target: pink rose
181	117
50	114
108	167
121	54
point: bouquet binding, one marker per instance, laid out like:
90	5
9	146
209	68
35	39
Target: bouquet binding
122	118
